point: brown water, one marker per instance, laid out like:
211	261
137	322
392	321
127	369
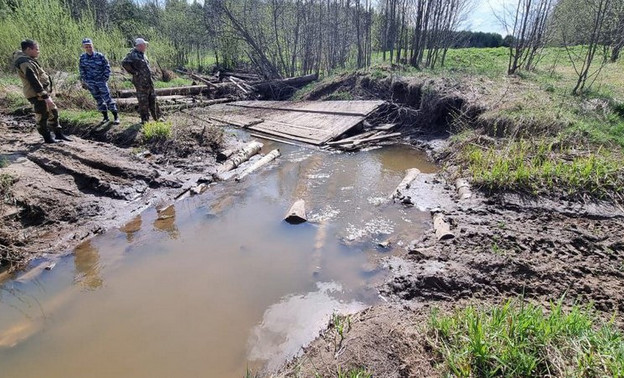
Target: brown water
222	283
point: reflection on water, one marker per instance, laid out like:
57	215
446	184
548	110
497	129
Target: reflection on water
295	321
165	221
218	281
132	228
87	262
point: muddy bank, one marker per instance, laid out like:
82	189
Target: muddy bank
508	247
66	192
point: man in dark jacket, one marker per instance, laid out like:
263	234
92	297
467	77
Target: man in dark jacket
94	73
138	66
37	86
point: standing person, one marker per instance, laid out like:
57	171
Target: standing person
138	66
37	87
94	74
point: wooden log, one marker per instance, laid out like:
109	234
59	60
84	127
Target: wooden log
241	156
441	227
186	90
238	85
377	137
351	138
463	189
197	77
410	175
262	161
385	127
297	213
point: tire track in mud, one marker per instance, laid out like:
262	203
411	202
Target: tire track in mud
501	250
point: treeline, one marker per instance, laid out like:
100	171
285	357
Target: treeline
291	37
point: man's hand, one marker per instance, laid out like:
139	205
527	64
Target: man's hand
50	104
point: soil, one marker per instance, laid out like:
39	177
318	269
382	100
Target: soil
67	192
504	246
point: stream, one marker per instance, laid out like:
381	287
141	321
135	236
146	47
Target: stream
219	283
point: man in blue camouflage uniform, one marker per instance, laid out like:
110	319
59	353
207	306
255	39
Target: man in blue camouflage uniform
138	66
94	74
38	90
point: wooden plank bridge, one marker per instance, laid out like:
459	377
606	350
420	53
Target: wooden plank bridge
313	122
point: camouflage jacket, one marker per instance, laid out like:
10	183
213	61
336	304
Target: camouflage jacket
35	81
94	67
138	66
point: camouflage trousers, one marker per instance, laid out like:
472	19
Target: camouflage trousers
44	118
100	92
147	103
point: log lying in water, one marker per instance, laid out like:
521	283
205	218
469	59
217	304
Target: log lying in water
241	156
297	213
410	175
264	160
441	227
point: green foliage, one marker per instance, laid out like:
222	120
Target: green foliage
156	130
522	340
58	34
542	167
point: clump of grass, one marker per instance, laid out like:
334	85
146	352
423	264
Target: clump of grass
522	340
354	373
6	182
156	130
546	167
341	325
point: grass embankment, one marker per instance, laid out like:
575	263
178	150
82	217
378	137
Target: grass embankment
546	141
522	340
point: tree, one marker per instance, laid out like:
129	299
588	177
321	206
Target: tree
583	31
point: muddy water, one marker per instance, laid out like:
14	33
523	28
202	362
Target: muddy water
218	283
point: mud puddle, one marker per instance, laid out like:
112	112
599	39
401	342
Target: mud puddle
219	282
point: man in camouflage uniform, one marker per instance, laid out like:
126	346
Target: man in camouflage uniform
94	73
37	86
138	66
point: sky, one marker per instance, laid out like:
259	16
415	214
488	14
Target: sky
482	16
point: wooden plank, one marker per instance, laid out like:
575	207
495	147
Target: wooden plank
320	107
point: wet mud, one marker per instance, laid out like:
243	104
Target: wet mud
66	192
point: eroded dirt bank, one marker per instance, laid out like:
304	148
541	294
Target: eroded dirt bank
66	192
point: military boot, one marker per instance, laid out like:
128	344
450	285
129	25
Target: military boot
115	118
47	138
60	136
105	118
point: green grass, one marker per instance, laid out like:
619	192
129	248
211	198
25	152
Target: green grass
156	130
78	117
354	373
546	167
522	340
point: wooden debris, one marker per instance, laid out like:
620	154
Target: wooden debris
410	175
385	127
441	227
297	213
463	189
262	161
241	156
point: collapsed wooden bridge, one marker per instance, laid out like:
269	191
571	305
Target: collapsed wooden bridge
312	122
